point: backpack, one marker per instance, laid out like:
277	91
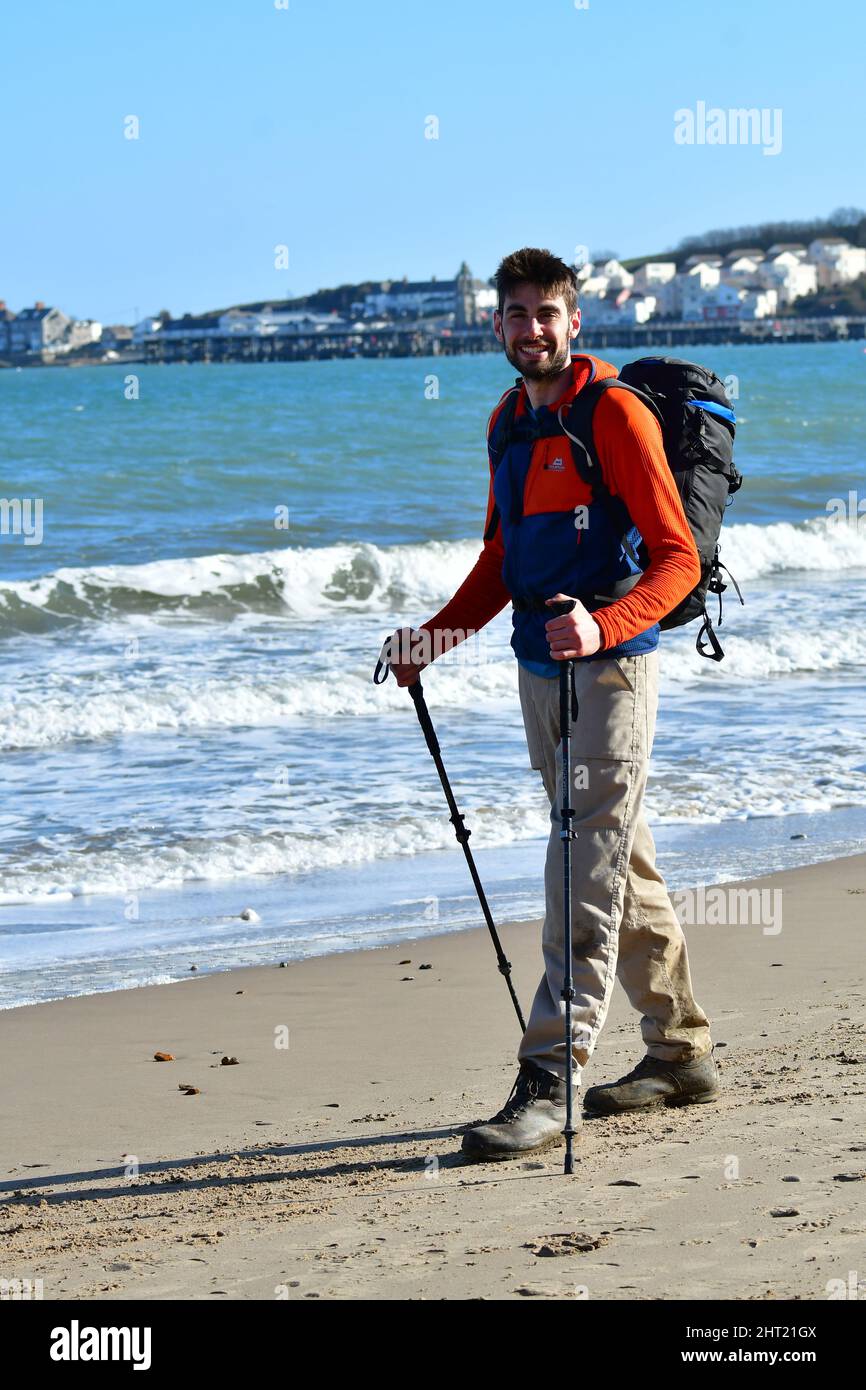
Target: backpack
698	425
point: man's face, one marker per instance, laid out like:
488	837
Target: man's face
536	332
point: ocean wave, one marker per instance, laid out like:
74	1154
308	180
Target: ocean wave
68	711
314	582
298	582
111	702
800	644
247	855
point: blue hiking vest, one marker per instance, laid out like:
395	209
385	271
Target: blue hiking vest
556	538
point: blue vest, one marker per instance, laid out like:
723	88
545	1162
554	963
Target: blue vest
556	538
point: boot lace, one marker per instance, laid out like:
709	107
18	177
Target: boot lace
525	1089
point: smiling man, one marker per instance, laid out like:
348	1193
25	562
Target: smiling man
548	538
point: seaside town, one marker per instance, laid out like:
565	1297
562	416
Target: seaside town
747	293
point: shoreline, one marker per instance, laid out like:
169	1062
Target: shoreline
511	874
330	1165
813	332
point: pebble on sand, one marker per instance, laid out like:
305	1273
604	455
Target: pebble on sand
163	1057
229	1062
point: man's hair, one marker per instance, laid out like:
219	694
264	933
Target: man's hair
533	266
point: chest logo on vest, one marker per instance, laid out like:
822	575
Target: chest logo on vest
554	466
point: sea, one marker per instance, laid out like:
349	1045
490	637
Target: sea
198	566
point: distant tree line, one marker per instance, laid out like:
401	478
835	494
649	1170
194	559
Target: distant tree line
849	223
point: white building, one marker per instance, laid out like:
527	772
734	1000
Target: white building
594	287
145	326
705	303
789	274
264	323
789	248
688	286
741	268
619	308
652	274
639	308
617	276
837	262
81	332
759	304
485	298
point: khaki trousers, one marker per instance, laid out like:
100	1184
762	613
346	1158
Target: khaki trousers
623	922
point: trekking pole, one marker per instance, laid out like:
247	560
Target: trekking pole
457	820
567	713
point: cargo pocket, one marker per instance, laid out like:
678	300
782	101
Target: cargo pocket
609	724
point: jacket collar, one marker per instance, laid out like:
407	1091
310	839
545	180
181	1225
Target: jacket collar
583	371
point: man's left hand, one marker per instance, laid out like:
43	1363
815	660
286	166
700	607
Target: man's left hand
572	634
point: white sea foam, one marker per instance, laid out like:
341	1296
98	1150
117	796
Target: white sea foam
319	582
752	552
242	855
120	704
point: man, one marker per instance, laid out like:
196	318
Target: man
546	540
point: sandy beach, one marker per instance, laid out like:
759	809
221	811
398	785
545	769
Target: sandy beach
326	1163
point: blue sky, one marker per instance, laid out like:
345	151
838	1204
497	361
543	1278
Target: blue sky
305	126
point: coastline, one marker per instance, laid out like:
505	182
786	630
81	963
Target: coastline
329	1167
412	340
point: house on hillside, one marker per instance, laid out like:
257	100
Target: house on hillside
787	272
837	262
652	274
704	303
758	304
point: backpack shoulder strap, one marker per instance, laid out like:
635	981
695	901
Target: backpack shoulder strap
499	426
500	421
577	424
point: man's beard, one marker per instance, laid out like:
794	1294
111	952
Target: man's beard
539	371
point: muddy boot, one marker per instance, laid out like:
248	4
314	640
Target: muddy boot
532	1118
654	1082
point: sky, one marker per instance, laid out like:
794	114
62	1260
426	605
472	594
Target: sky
306	124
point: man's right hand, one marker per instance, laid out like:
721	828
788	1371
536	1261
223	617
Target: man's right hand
404	650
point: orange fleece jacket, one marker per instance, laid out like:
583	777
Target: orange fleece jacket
628	441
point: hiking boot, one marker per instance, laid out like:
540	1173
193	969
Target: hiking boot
532	1118
654	1082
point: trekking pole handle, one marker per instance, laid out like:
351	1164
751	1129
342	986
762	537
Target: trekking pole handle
558	610
383	665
